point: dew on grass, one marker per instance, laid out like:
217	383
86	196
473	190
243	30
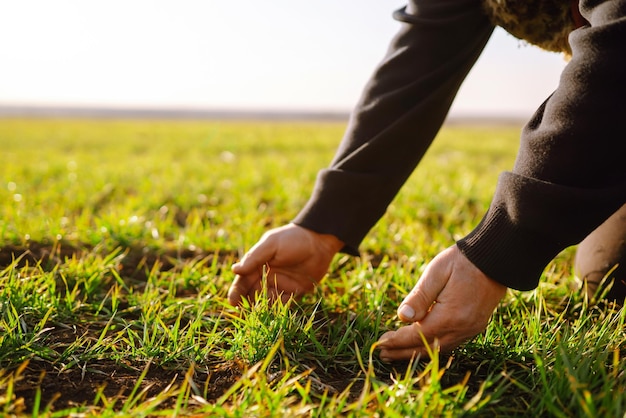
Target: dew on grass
11	186
17	197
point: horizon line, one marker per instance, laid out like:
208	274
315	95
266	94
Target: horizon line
191	113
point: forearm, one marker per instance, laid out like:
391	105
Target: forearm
570	173
397	117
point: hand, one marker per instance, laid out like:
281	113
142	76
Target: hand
451	303
295	258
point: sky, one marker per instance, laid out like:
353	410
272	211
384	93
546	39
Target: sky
234	55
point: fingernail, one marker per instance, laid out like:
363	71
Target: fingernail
406	311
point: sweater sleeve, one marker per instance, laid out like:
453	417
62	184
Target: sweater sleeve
570	172
401	110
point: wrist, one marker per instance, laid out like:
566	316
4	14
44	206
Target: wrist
330	242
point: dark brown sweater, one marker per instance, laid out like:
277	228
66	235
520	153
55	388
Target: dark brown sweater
570	172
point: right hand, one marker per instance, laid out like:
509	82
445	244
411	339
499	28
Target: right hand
296	259
451	303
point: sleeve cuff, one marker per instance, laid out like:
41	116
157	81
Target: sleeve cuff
346	205
530	222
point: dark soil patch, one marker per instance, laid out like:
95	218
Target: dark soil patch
135	264
79	386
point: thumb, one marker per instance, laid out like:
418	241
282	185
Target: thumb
417	304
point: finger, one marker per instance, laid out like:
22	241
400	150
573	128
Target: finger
283	286
415	353
440	327
242	286
260	254
285	298
417	303
252	286
403	344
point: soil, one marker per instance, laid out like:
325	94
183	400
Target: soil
80	384
65	387
77	386
133	265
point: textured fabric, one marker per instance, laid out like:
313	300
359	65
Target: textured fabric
569	175
401	110
544	23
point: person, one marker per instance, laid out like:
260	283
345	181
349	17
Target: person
568	181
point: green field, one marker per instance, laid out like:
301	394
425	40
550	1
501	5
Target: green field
116	244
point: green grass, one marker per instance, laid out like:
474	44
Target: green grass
116	244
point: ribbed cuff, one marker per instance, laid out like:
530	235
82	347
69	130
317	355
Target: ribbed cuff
529	222
505	252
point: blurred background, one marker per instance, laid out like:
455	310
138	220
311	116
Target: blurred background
233	56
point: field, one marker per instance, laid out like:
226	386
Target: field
116	244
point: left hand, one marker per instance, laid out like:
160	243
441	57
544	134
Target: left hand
451	303
297	259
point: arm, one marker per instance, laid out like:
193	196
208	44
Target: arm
399	114
568	178
397	117
569	175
